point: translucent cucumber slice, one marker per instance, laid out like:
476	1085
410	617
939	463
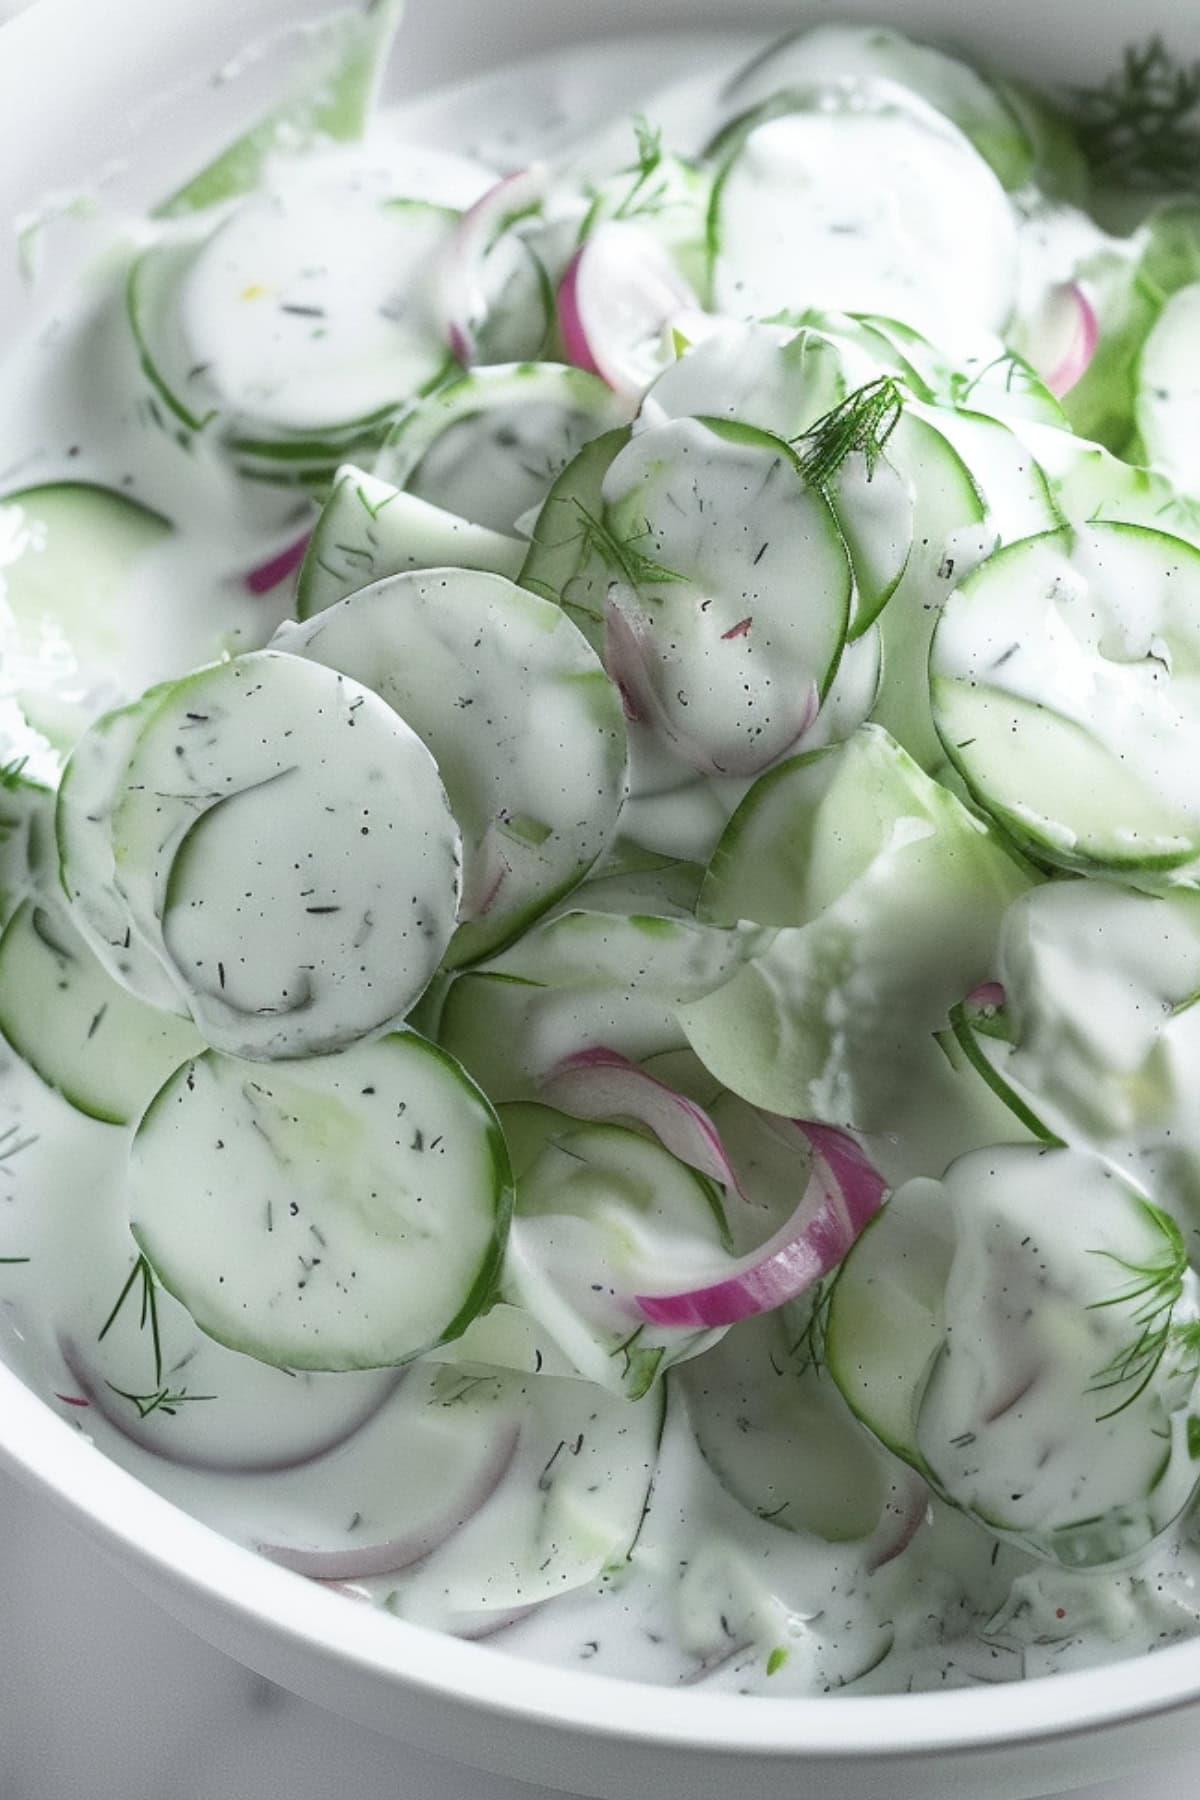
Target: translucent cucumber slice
28	863
579	980
1065	691
72	607
523	723
1049	1415
332	99
368	529
601	1213
1091	486
283	840
90	787
780	1439
342	1212
565	560
826	55
1169	391
898	901
87	1037
489	445
715	528
885	1326
569	1512
867	156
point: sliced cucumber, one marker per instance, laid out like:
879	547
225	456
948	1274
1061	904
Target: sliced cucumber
283	841
714	526
70	555
523	723
1101	404
1169	391
834	1018
489	445
787	380
565	561
780	1439
303	323
87	1037
602	1213
1037	1418
976	485
344	1212
826	55
332	100
886	1325
1091	486
867	156
28	864
1065	689
568	1513
89	789
369	529
579	980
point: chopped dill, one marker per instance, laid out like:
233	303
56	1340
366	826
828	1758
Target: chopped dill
623	557
148	1315
165	1400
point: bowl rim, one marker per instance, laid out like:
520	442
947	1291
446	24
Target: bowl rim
59	1458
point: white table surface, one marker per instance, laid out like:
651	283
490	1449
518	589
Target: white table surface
102	1697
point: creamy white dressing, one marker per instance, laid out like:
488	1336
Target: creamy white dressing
672	1579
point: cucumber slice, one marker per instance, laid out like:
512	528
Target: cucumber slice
834	1019
712	525
564	562
28	865
70	555
976	484
601	1213
787	380
1047	1415
569	1512
489	445
1064	691
369	529
583	979
333	99
886	1325
867	156
303	323
1171	257
826	55
1091	486
779	1439
283	841
1102	403
1099	1021
521	719
87	1037
1169	391
89	789
343	1212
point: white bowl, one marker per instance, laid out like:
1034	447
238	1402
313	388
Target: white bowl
81	105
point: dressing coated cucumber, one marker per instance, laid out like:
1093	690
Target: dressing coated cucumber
340	1212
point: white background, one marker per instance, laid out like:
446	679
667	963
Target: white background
102	1697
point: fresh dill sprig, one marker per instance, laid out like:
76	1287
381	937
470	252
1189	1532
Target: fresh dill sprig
1141	127
164	1400
641	198
148	1315
1153	1292
12	773
624	557
10	1261
861	424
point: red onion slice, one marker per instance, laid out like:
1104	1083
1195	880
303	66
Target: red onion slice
844	1191
462	301
620	289
359	1562
603	1084
902	1517
1064	337
987	994
277	568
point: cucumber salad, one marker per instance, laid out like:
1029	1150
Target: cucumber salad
600	853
